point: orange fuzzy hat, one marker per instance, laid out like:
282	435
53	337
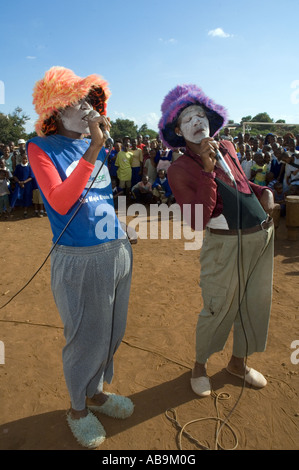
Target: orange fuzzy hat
59	88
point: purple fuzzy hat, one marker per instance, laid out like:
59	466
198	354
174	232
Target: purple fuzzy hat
178	99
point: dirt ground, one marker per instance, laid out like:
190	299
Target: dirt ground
153	363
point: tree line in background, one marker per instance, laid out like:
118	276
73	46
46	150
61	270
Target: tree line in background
12	127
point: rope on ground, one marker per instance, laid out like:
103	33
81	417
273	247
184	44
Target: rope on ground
220	424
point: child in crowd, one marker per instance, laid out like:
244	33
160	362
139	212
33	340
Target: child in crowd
112	158
176	153
247	163
161	190
37	201
4	193
137	163
279	197
165	159
241	153
22	194
124	172
150	167
142	191
259	170
116	191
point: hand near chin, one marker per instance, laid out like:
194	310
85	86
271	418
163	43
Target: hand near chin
207	152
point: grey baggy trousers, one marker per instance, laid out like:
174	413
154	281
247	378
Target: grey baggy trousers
222	289
91	287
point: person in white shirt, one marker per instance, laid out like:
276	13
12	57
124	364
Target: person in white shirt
247	163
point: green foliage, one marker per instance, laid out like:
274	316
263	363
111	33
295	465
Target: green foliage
12	126
262	117
255	129
125	128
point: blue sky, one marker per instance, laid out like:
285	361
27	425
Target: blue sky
242	54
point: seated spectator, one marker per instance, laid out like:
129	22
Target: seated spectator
279	197
161	190
142	191
116	191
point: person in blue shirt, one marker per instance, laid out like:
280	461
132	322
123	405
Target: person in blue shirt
22	194
161	190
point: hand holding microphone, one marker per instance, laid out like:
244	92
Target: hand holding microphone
99	127
211	156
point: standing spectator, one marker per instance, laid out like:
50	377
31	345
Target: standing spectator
9	158
150	167
247	163
165	159
227	135
4	193
20	150
22	194
137	163
241	153
176	153
277	165
140	143
112	158
123	163
259	170
38	204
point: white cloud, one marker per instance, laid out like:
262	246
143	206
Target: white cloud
30	57
171	41
218	32
151	119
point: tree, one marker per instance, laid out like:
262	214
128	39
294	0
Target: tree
122	128
262	117
144	130
246	119
12	126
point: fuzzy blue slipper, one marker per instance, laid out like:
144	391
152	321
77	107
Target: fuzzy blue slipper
88	430
116	406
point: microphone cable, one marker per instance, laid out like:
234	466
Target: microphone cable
62	232
239	254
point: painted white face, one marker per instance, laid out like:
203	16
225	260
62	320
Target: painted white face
74	118
194	124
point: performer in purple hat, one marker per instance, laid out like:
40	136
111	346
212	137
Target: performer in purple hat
237	253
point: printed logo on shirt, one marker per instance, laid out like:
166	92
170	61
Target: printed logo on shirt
102	180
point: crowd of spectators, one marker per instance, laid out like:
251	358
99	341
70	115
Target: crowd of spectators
138	170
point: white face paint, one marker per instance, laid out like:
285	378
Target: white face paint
74	118
194	124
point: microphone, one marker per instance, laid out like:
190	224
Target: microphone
223	165
94	114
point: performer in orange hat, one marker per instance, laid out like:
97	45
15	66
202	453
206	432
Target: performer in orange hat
91	263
